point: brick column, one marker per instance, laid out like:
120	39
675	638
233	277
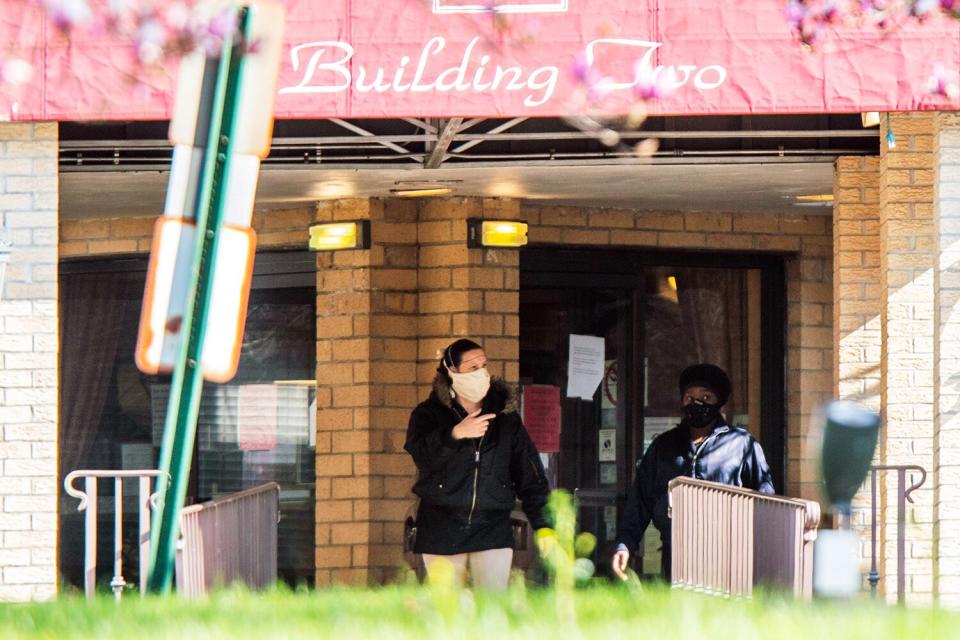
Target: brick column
366	349
856	302
470	293
28	362
907	330
856	283
945	474
809	342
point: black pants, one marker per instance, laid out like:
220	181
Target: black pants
665	562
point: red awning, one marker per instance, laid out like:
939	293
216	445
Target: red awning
396	58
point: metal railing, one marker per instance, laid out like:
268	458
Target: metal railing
88	503
230	539
903	496
727	540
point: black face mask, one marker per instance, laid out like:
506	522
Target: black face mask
699	414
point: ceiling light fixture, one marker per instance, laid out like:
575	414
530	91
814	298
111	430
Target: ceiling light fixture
822	197
423	192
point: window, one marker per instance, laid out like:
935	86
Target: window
259	427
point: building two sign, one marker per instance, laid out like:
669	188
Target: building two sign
370	58
329	67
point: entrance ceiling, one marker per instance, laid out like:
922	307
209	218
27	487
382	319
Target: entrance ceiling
730	163
758	188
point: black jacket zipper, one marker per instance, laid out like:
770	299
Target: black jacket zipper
476	470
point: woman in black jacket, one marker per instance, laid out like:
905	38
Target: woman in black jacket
474	458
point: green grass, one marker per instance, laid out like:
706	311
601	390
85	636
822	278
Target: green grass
436	613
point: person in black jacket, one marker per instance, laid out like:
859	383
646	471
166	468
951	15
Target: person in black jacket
474	458
702	446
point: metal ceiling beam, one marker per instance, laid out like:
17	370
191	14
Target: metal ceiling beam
497	130
471	122
473	139
426	126
439	150
374	162
366	134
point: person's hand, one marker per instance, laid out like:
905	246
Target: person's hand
473	426
619	563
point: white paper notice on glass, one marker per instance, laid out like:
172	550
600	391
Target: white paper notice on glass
585	366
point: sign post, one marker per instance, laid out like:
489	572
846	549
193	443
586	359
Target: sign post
225	112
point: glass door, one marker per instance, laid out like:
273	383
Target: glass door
595	432
655	317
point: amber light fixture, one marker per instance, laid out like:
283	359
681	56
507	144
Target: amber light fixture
340	235
424	192
496	233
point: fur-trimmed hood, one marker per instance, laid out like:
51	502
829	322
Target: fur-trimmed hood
501	397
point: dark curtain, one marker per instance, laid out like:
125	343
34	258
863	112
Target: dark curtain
712	306
93	308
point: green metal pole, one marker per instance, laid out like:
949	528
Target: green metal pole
180	426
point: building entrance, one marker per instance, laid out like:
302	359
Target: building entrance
656	314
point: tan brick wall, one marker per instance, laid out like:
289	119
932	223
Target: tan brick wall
28	362
907	334
946	463
90	237
856	281
467	292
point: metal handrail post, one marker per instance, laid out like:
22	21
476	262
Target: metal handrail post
143	530
90	539
901	535
874	576
89	504
903	496
117	582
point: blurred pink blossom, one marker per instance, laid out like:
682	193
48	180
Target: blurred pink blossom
653	84
158	30
808	18
939	83
68	14
594	82
15	72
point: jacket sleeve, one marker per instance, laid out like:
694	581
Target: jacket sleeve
527	472
640	502
430	444
754	472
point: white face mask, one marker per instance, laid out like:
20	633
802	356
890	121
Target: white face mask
471	386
